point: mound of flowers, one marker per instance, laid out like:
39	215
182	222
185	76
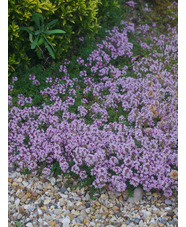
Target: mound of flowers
114	124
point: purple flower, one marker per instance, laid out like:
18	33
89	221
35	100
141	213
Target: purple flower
80	61
66	62
21	102
63	68
81	39
145	9
36	82
32	77
10	87
28	100
14	79
131	4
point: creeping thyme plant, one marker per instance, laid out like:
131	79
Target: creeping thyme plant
109	119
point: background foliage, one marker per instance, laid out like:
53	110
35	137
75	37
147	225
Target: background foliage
75	17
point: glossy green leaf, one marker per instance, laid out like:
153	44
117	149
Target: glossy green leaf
37	17
34	43
51	23
50	50
26	29
38	32
41	41
55	31
48	42
30	37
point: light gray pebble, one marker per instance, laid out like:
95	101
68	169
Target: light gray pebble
25	184
87	197
12	199
168	202
53	181
171	222
17	202
79	219
31	208
64	196
63	189
175	219
87	210
168	208
137	220
162	220
29	224
57	211
19	216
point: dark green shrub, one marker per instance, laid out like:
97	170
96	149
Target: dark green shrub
76	18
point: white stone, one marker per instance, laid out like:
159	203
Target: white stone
19	180
29	224
63	196
148	214
25	184
141	223
104	197
53	181
66	212
83	214
46	201
12	199
70	205
75	212
57	211
17	203
138	194
39	186
111	205
87	197
66	221
88	210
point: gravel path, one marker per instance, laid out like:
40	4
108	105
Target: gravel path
40	202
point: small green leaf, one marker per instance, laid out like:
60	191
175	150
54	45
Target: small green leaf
48	42
34	43
30	37
18	224
38	32
26	29
37	17
51	23
49	50
41	40
56	31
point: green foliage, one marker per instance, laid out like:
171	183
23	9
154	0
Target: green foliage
18	224
158	13
26	171
130	188
37	34
106	9
56	170
76	18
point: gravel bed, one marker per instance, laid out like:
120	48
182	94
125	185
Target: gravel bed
39	202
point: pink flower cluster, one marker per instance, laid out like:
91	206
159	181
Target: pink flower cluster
139	144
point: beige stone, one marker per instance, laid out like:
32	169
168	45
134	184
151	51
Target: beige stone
71	216
24	198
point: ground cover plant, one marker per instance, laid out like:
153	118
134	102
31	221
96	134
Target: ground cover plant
109	119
